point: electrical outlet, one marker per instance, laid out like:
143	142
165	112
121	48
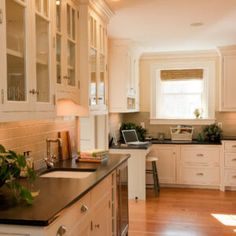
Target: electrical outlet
219	124
142	124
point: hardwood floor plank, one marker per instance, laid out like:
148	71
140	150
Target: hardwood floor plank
182	212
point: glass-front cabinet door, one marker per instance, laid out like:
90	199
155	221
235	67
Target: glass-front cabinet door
66	46
13	29
97	62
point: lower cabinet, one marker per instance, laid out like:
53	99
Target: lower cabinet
167	162
91	216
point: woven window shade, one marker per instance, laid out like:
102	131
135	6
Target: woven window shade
184	74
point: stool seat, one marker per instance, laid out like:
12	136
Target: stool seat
153	160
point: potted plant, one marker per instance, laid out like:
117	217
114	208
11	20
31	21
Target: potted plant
212	133
11	165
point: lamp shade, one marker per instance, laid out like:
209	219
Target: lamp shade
66	107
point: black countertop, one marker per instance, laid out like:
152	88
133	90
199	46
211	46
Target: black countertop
56	194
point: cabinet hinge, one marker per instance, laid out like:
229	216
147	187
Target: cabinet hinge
78	14
91	226
1	16
2	96
78	84
109	204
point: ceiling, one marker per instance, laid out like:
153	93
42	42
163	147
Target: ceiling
164	25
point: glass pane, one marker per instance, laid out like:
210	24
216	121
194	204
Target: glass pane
16	90
42	59
45	7
101	98
91	31
73	24
93	76
58	15
15	30
38	5
71	63
58	58
68	21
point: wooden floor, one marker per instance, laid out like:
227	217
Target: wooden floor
183	212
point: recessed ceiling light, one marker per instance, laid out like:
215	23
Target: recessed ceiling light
196	24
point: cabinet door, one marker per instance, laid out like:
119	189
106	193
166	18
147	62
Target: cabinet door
66	47
83	228
101	218
15	79
166	164
229	83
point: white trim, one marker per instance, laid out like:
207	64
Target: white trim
154	121
209	85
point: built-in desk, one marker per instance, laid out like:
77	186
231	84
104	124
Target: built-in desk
136	169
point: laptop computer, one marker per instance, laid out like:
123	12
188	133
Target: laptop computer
131	138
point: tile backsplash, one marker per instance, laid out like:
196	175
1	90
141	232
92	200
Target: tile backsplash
31	135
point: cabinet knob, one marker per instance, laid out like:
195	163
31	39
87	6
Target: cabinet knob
200	155
199	174
233	146
34	91
61	230
234	159
83	209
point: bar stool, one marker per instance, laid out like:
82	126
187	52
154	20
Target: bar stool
154	173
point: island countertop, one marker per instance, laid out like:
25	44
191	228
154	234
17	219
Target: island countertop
56	194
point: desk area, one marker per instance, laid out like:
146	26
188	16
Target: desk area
136	169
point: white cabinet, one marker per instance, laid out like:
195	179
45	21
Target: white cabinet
93	51
26	77
200	165
229	164
136	172
123	76
228	82
167	162
91	215
66	49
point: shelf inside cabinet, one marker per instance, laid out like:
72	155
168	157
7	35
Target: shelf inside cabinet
15	53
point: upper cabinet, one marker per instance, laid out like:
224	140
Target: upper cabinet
93	50
26	77
66	42
123	76
227	78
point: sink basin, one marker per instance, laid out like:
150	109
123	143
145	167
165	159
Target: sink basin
67	174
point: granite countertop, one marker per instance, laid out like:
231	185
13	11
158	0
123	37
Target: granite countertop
56	194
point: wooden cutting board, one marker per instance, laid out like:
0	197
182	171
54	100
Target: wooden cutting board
66	144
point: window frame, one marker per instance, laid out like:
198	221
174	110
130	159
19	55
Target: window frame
209	91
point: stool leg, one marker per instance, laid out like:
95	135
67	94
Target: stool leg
155	178
158	184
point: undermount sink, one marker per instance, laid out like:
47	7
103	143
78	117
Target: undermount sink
67	174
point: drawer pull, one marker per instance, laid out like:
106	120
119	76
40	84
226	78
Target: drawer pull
199	174
233	146
200	155
234	177
61	230
83	209
234	159
97	226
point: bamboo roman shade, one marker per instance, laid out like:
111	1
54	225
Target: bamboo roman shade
182	74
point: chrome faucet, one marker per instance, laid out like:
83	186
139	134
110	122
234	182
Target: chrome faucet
51	158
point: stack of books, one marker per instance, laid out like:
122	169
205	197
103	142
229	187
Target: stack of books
96	155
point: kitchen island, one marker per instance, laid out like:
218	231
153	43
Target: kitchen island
59	196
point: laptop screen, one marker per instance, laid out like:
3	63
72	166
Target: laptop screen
130	135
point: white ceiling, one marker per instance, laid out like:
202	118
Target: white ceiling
164	25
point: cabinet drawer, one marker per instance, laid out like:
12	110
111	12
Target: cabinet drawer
230	160
200	156
230	177
230	146
101	190
202	176
70	216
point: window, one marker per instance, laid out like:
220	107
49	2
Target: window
179	89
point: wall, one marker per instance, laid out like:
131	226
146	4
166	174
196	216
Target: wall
31	135
228	119
115	120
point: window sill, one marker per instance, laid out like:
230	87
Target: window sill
154	121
